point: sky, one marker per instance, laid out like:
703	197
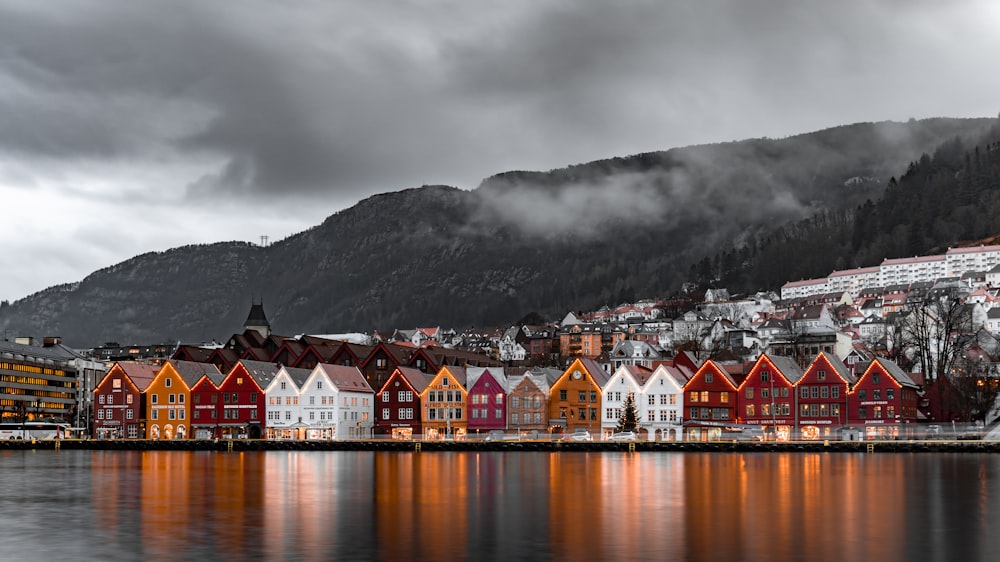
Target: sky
130	127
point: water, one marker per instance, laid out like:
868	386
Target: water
165	505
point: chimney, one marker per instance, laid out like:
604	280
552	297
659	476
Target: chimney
51	341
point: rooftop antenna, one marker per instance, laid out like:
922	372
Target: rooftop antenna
263	240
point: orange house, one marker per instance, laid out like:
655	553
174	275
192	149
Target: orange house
575	398
168	404
444	400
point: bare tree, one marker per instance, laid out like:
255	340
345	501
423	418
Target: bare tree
975	387
934	335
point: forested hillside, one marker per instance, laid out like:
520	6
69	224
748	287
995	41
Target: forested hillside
950	197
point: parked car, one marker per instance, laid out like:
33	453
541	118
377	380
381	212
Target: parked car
494	435
578	436
933	431
623	436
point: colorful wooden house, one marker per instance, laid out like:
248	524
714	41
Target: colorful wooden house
167	397
575	398
766	396
528	401
381	361
444	399
243	404
884	402
661	403
710	403
339	398
205	409
285	419
822	397
626	380
487	405
119	401
398	403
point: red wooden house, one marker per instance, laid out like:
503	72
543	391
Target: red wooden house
822	397
381	361
884	402
487	399
766	396
206	407
397	404
120	403
709	402
242	399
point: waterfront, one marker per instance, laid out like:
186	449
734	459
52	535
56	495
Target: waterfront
296	505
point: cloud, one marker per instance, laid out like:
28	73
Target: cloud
295	105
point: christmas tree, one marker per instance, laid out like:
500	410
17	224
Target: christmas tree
629	419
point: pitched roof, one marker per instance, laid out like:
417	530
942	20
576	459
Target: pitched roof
416	378
346	378
140	374
788	367
192	372
262	372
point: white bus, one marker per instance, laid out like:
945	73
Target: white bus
34	430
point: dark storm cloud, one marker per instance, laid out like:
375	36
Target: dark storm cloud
355	98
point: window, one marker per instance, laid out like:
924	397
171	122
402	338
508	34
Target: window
444	381
765	393
890	412
537	417
380	363
180	414
876	394
803	392
100	414
167	382
673	399
693	396
283	385
116	383
129	412
890	394
863	412
824	391
100	398
253	398
877	412
156	414
821	375
704	396
154	398
724	397
765	409
652	399
814	392
319	385
593	414
385	395
171	398
593	396
609	413
538	401
835	392
750	411
515	402
514	419
288	414
835	409
562	395
765	376
385	413
709	378
749	393
875	378
582	396
804	409
197	414
128	398
862	395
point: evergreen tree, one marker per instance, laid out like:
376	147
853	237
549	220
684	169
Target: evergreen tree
629	420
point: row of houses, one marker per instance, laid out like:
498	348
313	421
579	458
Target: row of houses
956	262
679	399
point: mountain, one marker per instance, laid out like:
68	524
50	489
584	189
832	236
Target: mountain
573	238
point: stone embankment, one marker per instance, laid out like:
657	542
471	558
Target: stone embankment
935	446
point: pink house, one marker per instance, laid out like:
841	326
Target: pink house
487	399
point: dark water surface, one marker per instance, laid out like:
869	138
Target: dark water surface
165	505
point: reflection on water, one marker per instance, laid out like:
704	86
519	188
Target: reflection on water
166	505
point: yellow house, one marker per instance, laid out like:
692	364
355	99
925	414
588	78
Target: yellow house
443	415
575	398
168	403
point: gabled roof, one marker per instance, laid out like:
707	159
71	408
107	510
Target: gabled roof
893	370
298	376
788	367
192	372
140	374
346	379
414	377
839	368
262	372
596	371
473	374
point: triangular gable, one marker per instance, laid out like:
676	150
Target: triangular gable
717	370
343	378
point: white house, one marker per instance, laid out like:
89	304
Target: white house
509	349
346	399
284	412
661	404
627	379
